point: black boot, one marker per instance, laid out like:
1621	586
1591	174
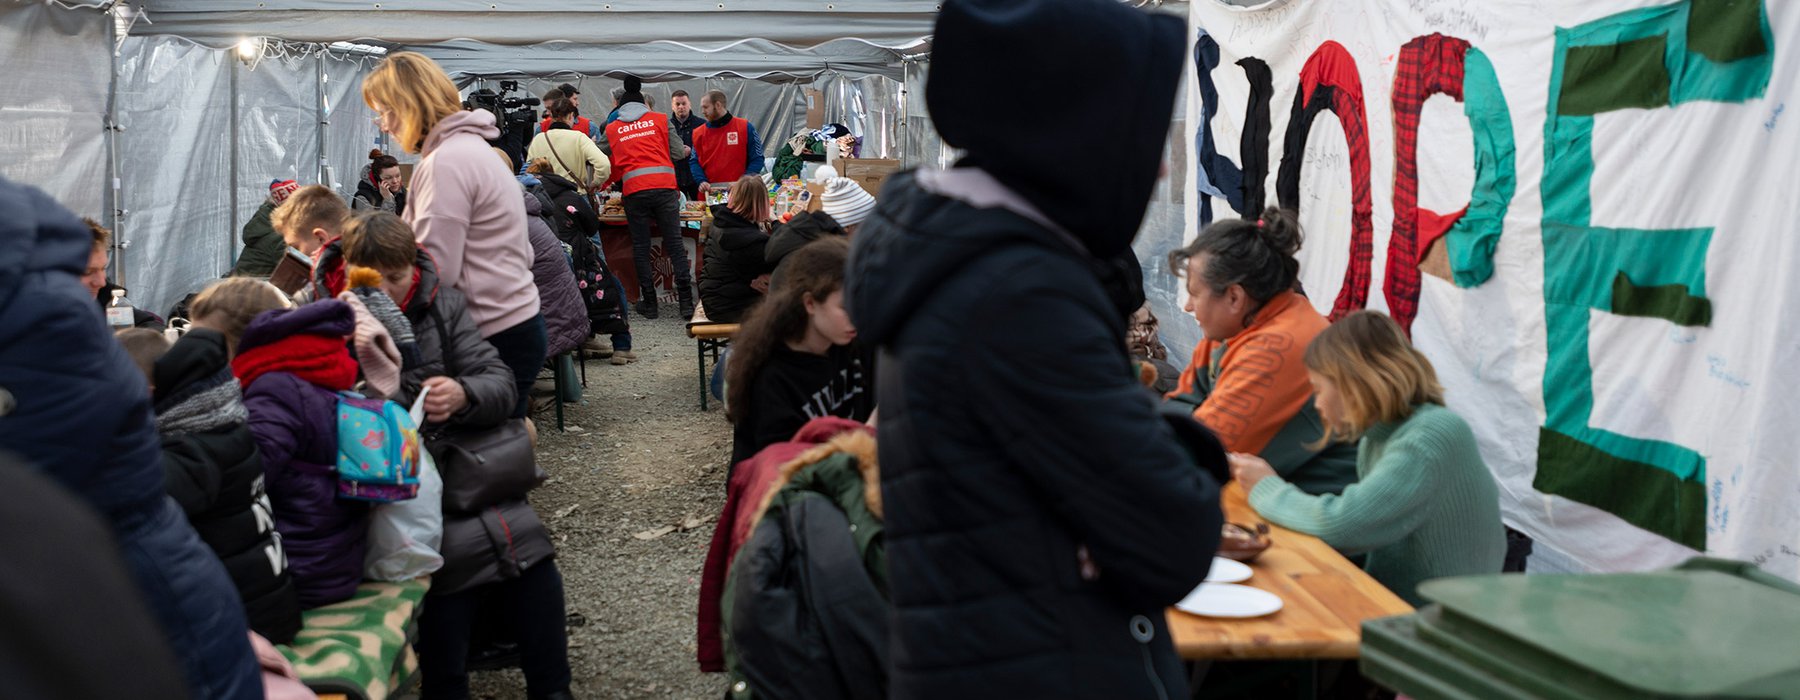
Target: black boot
646	305
686	297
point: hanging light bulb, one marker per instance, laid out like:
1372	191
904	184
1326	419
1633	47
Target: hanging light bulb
249	49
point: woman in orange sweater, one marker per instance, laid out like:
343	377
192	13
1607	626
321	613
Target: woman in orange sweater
1247	380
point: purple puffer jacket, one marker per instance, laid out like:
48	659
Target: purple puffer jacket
295	424
565	317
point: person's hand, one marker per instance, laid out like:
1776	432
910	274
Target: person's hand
1248	469
445	398
704	188
760	284
390	188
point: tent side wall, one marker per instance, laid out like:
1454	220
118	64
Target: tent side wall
53	118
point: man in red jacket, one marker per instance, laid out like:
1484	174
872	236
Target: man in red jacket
643	158
725	147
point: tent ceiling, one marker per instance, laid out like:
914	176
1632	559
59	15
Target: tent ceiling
798	23
664	60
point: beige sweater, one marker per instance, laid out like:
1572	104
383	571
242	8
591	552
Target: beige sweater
568	148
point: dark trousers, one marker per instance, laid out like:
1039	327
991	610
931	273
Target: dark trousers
533	603
523	348
664	208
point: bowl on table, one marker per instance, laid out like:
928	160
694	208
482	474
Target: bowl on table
1243	542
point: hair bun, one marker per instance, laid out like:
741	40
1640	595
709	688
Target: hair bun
376	153
1280	230
633	84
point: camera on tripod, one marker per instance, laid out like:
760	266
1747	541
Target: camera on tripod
513	115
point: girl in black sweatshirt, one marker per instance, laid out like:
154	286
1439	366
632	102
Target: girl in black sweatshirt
796	359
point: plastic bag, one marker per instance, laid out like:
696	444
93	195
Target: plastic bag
404	536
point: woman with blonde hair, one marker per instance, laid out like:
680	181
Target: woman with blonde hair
736	274
465	208
1424	505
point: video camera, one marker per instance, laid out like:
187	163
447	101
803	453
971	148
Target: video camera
514	116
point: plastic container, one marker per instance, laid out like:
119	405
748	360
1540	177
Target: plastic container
1708	628
119	313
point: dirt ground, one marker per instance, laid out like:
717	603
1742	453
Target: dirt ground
639	456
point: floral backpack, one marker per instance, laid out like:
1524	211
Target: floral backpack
378	450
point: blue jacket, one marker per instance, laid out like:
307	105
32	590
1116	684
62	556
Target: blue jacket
83	417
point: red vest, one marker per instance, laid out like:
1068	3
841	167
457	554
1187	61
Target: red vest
640	153
581	124
724	151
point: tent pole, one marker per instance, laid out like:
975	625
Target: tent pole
906	153
320	84
231	221
115	205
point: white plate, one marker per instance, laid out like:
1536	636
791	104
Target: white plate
1227	571
1229	600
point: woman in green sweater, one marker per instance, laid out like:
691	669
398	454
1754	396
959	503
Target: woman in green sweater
1424	505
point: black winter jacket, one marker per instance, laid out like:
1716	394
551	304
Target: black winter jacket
503	540
734	258
1015	439
212	469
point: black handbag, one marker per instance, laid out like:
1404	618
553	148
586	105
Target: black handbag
481	467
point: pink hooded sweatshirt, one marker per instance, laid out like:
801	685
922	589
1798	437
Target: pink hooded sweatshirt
466	212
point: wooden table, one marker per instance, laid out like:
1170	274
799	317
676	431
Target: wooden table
1325	601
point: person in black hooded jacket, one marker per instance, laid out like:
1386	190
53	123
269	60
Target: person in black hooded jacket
1032	490
212	469
735	276
804	228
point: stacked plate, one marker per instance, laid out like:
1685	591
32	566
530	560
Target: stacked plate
1221	596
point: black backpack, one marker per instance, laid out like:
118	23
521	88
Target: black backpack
601	294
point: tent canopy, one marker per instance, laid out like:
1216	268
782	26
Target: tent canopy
777	40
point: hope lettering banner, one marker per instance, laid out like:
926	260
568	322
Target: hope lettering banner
1585	214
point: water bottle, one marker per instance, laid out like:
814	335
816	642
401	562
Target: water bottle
118	313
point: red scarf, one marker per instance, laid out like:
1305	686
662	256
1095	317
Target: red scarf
319	360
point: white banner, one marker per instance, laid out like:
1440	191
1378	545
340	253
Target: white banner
1601	197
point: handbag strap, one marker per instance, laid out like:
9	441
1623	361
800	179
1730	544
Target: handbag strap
565	166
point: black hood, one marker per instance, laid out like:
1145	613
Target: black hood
1052	49
196	358
555	185
914	241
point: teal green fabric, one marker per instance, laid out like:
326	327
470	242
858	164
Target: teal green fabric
1294	454
1582	262
1424	505
263	247
1472	239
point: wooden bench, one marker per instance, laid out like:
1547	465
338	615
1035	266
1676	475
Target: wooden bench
709	337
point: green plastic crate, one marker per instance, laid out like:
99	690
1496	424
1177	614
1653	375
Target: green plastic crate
1707	629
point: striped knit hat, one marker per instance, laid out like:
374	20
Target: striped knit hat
843	199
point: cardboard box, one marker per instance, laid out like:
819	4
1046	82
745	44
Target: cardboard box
817	202
815	109
868	172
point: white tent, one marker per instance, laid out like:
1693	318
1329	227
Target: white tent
147	116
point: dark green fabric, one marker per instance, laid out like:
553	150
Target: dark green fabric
1726	30
1615	76
1668	301
1642	494
263	247
1290	451
1314	471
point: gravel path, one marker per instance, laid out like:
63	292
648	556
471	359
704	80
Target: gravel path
638	456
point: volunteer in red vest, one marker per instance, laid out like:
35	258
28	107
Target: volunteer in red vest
725	147
644	155
581	123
